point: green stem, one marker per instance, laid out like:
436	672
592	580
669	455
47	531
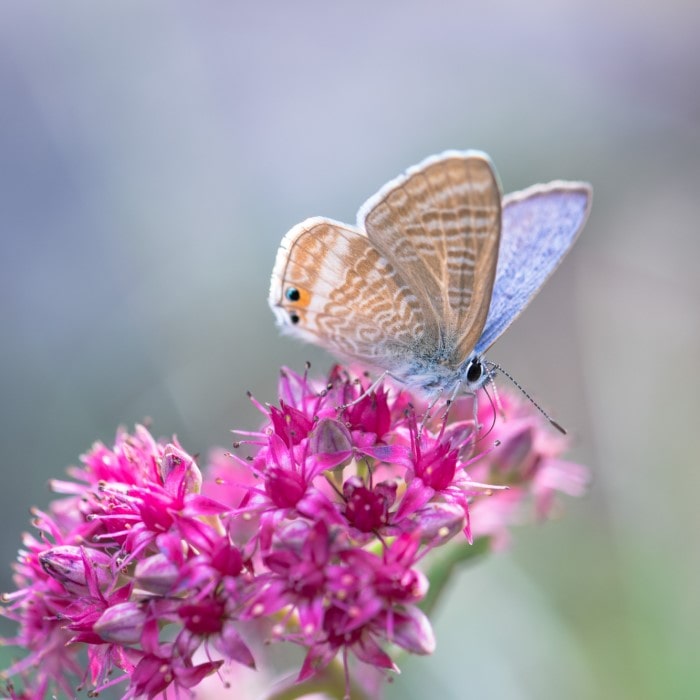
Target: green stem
442	563
330	681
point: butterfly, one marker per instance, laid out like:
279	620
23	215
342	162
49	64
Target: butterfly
437	267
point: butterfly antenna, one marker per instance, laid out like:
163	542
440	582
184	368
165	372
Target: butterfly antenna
551	420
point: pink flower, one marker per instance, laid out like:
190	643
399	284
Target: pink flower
319	533
139	550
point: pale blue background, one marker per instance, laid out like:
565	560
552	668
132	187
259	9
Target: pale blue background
153	154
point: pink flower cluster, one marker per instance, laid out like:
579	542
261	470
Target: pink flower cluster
322	533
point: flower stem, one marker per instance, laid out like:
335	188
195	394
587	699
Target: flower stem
442	564
330	682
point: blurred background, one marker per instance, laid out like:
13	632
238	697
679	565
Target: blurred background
152	155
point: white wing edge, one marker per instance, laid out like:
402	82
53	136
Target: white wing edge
553	186
372	202
276	293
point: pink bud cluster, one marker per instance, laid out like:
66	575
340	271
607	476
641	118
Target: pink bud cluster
321	533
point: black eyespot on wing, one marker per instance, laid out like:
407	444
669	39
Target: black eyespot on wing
294	318
292	294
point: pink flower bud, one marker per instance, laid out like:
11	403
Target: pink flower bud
176	465
121	624
332	442
69	565
438	522
156	574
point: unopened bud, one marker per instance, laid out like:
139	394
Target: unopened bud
156	574
121	624
67	564
439	521
332	442
177	464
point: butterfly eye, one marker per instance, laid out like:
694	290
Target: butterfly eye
292	294
474	372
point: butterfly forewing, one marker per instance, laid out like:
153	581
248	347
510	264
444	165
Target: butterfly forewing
439	225
331	286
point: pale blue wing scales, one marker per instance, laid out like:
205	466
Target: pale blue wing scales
539	226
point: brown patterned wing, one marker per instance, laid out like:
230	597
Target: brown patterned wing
439	226
332	287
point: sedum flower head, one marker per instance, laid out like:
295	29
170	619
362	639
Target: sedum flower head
319	530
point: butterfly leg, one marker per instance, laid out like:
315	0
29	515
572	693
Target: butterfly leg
475	412
428	411
495	403
496	396
453	397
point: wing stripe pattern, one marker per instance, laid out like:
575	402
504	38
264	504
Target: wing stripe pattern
350	298
439	225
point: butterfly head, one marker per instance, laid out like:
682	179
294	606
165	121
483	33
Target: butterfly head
475	374
433	377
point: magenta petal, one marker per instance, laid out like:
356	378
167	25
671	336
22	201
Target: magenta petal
281	453
331	461
319	656
284	486
370	414
311	618
189	677
413	632
391	454
232	646
416	496
201	505
196	532
270	599
226	559
290	423
151	676
370	652
202	618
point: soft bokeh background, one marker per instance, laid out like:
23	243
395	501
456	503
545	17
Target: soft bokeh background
152	155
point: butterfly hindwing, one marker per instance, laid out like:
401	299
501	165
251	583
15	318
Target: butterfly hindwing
539	226
332	287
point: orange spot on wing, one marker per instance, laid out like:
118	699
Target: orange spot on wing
304	299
